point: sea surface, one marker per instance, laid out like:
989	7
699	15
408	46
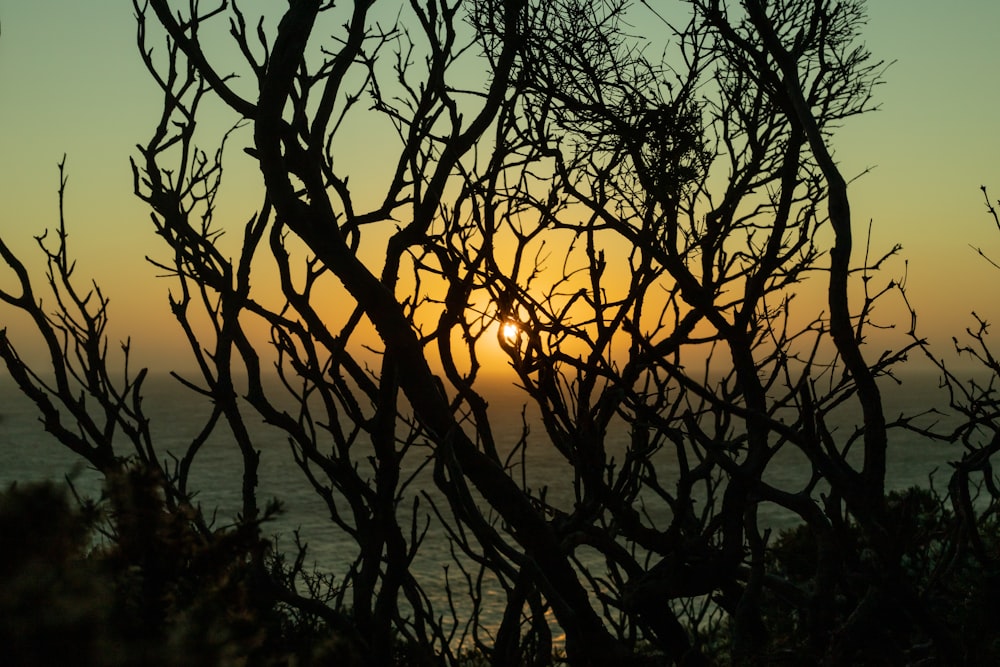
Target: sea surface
28	453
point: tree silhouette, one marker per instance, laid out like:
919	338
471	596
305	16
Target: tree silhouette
631	231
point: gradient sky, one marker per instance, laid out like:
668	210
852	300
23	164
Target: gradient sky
70	82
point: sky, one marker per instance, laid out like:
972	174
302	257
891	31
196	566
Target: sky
71	83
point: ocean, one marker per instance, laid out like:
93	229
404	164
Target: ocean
28	453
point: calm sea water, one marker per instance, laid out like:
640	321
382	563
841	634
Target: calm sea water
27	454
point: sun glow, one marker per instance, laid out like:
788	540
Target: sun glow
510	331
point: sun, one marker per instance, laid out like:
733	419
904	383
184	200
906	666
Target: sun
511	331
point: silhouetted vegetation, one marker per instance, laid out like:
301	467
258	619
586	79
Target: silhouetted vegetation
126	582
644	225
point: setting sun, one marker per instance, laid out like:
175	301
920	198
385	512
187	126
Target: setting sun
511	331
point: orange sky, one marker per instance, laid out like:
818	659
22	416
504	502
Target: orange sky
70	83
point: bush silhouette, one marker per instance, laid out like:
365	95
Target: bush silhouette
139	584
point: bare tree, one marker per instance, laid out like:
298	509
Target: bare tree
632	232
634	144
965	559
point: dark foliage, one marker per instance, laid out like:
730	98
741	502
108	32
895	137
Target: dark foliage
127	582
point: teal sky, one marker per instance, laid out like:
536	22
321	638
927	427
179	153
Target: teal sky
70	82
